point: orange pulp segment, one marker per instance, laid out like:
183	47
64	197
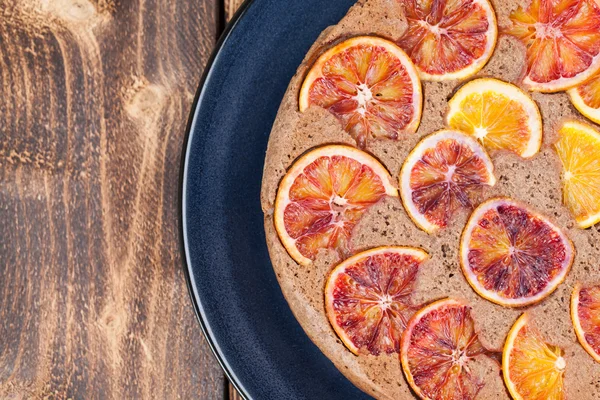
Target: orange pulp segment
370	85
532	368
500	115
578	148
438	351
513	256
368	298
585	313
586	98
562	40
446	172
323	196
449	39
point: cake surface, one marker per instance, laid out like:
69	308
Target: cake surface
535	182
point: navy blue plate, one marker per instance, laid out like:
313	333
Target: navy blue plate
247	322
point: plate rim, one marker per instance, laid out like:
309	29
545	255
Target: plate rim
183	241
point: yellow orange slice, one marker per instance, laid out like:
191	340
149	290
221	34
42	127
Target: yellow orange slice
446	172
586	98
323	196
585	313
449	39
562	40
532	368
370	85
368	298
481	107
512	255
579	151
438	350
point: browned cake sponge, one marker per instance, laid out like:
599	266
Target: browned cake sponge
535	182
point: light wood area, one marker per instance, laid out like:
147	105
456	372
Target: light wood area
94	100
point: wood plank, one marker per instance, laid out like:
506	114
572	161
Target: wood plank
94	100
231	7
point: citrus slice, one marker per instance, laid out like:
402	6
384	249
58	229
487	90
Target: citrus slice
449	39
586	98
578	148
445	172
368	298
532	368
513	256
439	349
562	40
480	107
370	85
323	196
585	313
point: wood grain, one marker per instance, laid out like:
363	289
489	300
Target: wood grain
231	7
94	99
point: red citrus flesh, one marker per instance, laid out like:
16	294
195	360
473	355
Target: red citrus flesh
370	85
449	39
439	350
368	298
513	256
322	198
445	173
590	92
562	40
586	317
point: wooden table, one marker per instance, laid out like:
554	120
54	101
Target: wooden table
94	100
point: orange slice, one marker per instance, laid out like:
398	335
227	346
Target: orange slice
532	368
439	350
562	40
323	196
449	39
578	148
585	313
368	298
370	85
586	98
480	107
512	255
444	173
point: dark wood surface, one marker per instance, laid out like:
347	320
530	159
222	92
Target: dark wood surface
94	100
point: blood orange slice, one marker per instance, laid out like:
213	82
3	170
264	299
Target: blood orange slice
368	298
370	85
449	39
585	313
532	368
439	349
323	196
562	40
444	173
480	107
513	256
586	98
578	148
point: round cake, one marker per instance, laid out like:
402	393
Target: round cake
430	191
